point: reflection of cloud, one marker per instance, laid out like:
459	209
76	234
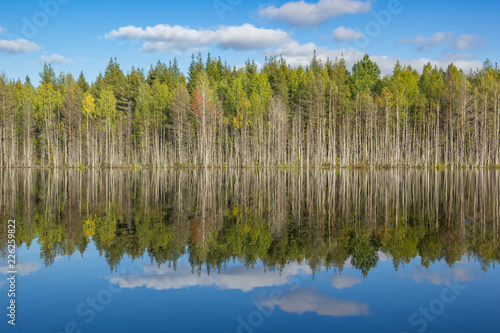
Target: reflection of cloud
23	268
233	278
347	263
383	257
438	277
300	301
2	282
465	260
345	281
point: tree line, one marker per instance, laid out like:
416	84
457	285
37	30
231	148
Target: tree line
213	217
322	114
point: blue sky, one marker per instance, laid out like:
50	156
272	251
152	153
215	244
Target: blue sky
77	35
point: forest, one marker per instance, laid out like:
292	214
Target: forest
322	115
322	218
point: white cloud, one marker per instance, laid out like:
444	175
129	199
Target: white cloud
386	63
55	58
455	57
297	54
17	46
343	34
275	42
459	43
2	30
164	278
466	42
301	301
23	268
303	14
345	281
173	39
424	44
439	277
248	37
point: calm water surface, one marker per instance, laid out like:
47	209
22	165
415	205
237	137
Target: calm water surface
252	251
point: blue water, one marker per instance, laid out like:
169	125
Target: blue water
80	294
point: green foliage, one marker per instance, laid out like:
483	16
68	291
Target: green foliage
325	115
216	217
365	76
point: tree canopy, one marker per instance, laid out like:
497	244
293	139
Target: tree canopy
323	114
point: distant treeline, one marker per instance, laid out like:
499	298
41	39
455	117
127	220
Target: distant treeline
323	218
320	115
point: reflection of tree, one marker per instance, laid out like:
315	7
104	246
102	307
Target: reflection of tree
324	218
402	244
429	248
364	254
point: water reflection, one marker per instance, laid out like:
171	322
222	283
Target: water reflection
164	278
421	274
300	301
344	281
312	218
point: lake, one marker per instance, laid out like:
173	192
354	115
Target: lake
252	250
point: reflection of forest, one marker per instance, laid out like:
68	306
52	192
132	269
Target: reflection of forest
324	218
